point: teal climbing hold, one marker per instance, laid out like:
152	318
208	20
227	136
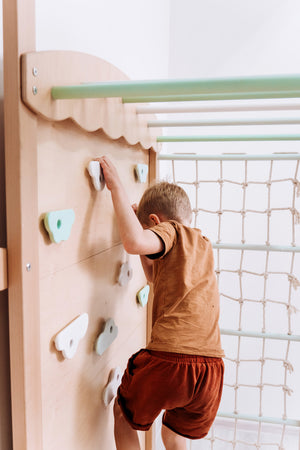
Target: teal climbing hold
59	224
143	294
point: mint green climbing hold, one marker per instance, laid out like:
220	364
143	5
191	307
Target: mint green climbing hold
59	224
143	294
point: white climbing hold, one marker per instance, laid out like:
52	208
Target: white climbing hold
110	390
68	339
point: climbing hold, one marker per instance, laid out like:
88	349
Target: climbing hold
106	337
59	224
141	171
110	390
143	294
95	171
68	339
125	274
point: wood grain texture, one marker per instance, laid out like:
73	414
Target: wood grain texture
61	68
22	232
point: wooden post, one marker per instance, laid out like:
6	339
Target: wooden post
22	231
150	435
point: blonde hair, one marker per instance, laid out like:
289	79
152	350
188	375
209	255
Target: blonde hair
167	199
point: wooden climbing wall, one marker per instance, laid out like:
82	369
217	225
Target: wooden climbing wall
57	402
80	276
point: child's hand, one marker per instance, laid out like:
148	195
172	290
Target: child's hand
110	173
134	206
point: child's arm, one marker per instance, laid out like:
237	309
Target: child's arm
135	239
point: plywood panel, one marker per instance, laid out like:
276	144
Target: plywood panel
64	151
73	414
80	275
43	70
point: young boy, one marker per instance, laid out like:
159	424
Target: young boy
181	370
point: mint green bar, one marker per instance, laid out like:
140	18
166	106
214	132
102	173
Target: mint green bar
213	96
222	123
257	247
188	86
231	138
262	419
253	334
229	157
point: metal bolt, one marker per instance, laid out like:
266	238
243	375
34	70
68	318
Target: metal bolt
34	72
34	90
28	267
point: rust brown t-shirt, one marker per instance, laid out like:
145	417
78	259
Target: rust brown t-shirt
186	303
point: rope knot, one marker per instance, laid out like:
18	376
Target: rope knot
288	366
287	390
291	309
296	214
295	282
297	186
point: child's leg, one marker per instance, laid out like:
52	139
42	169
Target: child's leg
126	437
171	440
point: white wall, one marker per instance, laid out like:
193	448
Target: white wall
217	38
133	35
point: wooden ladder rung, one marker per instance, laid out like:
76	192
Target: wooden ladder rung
3	269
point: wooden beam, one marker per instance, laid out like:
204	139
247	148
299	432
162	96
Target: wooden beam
22	231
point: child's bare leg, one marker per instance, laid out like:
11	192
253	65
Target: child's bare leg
171	440
126	437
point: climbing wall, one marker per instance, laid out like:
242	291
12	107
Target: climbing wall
80	275
77	314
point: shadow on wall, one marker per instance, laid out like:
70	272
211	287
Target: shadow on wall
5	418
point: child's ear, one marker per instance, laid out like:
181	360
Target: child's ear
154	219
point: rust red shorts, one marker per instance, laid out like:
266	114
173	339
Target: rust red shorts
187	387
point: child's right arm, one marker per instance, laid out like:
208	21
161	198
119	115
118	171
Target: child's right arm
135	239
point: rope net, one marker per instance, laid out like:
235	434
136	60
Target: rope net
251	202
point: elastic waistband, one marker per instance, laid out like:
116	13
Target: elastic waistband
184	358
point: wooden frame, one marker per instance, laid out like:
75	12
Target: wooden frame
21	197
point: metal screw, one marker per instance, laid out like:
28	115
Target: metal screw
34	90
34	72
28	267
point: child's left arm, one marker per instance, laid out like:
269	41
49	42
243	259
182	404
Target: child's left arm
135	239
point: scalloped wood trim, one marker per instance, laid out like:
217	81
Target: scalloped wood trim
43	70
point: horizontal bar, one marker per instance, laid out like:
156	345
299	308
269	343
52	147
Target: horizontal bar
230	138
188	86
3	269
262	419
207	108
211	97
229	157
254	334
218	123
256	247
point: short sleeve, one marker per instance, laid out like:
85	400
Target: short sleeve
166	231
